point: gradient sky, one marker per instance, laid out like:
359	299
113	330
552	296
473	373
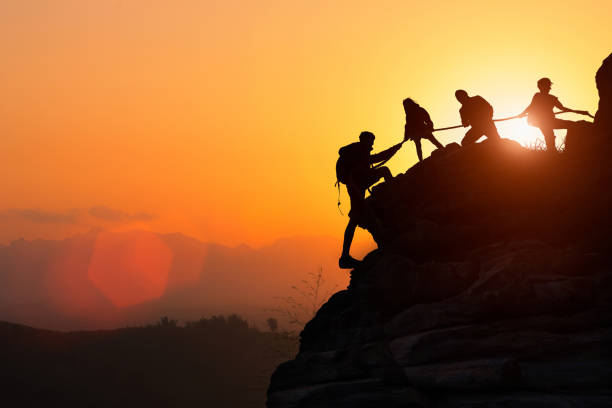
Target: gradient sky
222	119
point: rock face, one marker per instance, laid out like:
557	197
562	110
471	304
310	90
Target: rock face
493	288
603	80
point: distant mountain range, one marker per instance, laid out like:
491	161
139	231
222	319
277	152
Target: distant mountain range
105	280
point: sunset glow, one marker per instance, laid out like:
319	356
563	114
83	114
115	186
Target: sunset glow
222	120
305	203
130	268
519	130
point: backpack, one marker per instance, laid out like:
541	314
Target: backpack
483	107
349	157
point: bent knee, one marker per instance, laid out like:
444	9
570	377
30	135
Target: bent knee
384	172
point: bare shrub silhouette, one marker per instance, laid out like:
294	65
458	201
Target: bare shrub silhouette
540	145
165	322
306	298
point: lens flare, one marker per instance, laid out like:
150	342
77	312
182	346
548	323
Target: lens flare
131	267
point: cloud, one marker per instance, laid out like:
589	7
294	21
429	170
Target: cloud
113	215
42	217
74	216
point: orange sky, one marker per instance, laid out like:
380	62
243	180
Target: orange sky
222	119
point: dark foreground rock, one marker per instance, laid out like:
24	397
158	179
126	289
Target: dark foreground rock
493	289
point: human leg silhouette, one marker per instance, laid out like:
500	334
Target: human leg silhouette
549	138
356	195
471	136
361	214
417	144
376	174
346	261
435	142
491	132
547	128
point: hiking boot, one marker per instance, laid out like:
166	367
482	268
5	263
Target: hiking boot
348	262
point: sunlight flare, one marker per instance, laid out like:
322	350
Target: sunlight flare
130	268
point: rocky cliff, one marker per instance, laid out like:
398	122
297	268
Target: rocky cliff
493	287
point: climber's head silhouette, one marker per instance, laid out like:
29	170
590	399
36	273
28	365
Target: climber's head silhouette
367	138
544	85
461	95
409	104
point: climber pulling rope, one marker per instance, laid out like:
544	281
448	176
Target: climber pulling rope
337	184
579	112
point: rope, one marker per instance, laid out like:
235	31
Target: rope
382	163
579	112
517	117
494	120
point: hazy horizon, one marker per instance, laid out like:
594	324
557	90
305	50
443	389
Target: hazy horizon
222	121
113	279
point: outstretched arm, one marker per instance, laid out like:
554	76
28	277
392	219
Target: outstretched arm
385	154
564	109
527	109
559	105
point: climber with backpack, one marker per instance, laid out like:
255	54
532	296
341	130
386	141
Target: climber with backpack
355	168
418	126
478	113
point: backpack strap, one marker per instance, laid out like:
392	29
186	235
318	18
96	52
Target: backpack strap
338	185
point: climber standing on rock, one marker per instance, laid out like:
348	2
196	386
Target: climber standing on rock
540	113
354	169
418	126
478	113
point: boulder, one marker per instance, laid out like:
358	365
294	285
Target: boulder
493	287
603	80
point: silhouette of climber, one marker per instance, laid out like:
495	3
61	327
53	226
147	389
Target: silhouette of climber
540	113
354	169
478	113
418	126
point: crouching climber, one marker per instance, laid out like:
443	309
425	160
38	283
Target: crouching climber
353	168
478	113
